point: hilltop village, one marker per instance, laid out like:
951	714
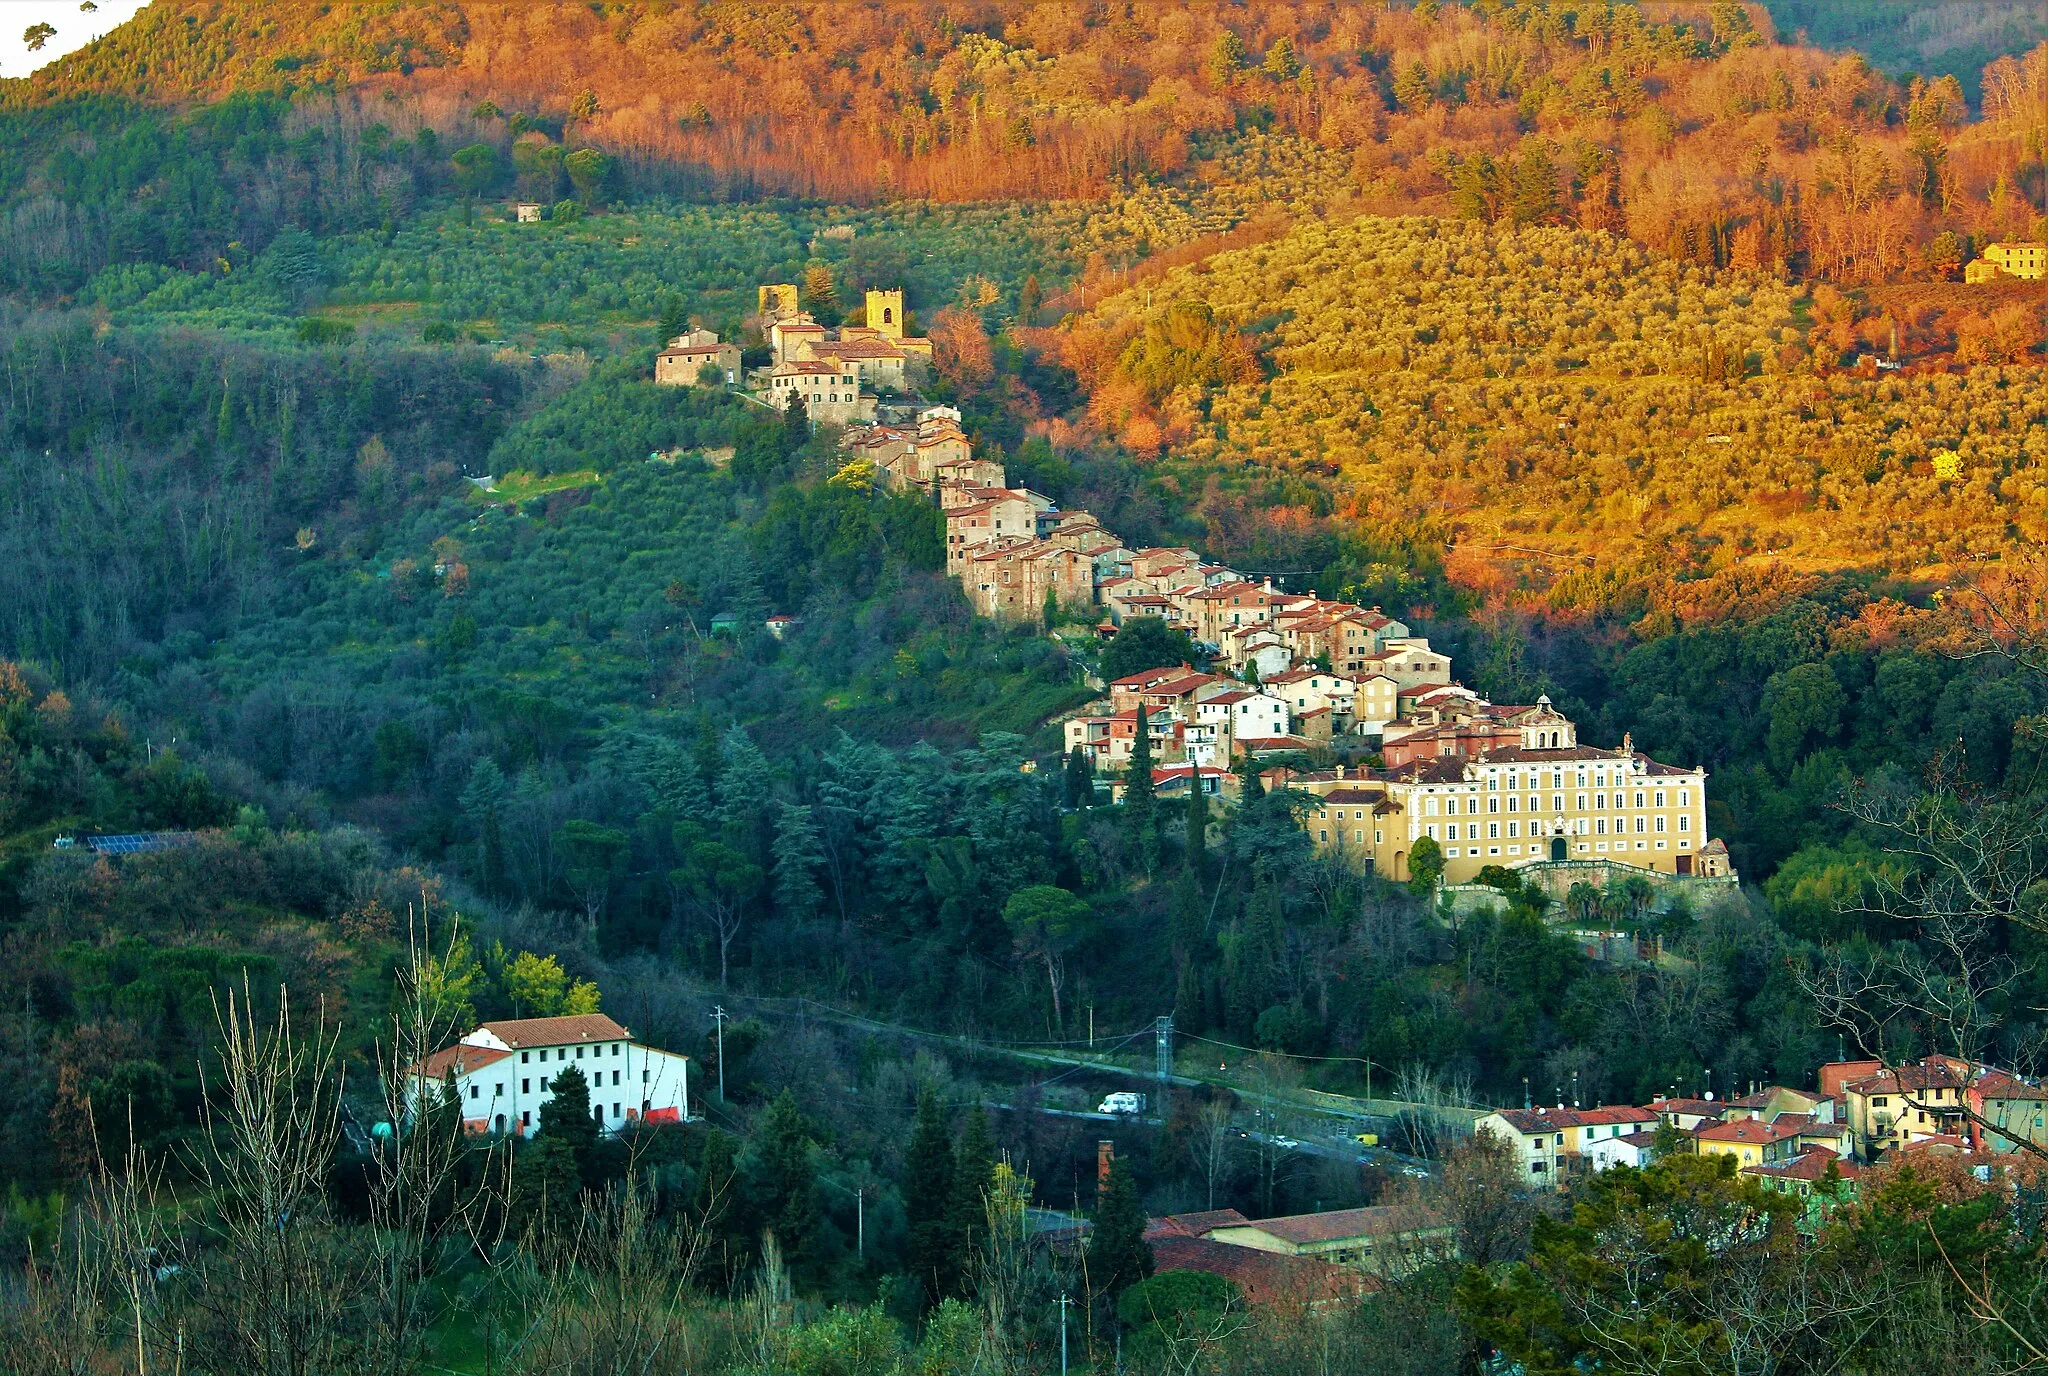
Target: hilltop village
1291	677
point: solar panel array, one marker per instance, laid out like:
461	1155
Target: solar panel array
134	842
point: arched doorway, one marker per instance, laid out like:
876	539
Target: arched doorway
500	1122
1400	866
1557	848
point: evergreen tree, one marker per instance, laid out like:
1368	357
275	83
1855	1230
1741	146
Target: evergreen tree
1197	823
797	856
545	1186
565	1120
927	1196
820	293
677	781
1080	778
796	425
974	1167
1534	197
781	1180
742	793
483	799
1226	58
673	320
1139	812
1118	1255
1030	297
1050	612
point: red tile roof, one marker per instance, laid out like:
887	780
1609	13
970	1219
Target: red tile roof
1811	1164
1746	1131
1264	1277
581	1027
1192	1225
460	1059
1339	1225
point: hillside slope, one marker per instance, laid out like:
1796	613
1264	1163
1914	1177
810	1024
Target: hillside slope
1577	415
1686	124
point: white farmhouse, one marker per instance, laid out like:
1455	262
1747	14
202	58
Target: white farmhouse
502	1072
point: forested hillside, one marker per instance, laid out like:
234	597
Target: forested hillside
1689	126
345	541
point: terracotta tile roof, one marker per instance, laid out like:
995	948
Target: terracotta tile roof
1907	1079
582	1027
1339	1225
1946	1141
1531	1121
1809	1165
1264	1277
1710	1108
1192	1225
459	1058
1746	1131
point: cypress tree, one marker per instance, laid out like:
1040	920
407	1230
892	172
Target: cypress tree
1080	778
1118	1255
927	1195
796	425
566	1119
1197	822
1138	797
974	1166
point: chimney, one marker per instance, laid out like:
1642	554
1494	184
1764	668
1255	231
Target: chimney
1105	1154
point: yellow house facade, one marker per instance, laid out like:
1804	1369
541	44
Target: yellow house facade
1515	806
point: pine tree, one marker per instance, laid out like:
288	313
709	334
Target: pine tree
742	790
483	799
928	1195
672	318
1030	297
966	1214
1118	1255
797	856
781	1181
677	781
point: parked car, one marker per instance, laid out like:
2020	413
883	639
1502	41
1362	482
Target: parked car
1123	1101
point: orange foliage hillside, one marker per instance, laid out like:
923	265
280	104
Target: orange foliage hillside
1691	127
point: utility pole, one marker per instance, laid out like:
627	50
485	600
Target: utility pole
718	1015
860	1221
1064	1302
1091	1027
1162	1052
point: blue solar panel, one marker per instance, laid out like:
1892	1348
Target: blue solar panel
135	842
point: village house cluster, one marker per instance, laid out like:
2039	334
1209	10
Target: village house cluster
1488	784
1797	1141
840	373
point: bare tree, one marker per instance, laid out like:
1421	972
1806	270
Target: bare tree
614	1294
425	1190
1215	1141
277	1290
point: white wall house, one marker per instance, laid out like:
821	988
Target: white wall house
503	1070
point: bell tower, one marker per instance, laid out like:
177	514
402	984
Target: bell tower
885	313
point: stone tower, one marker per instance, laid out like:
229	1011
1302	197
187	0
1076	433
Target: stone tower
776	300
885	313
